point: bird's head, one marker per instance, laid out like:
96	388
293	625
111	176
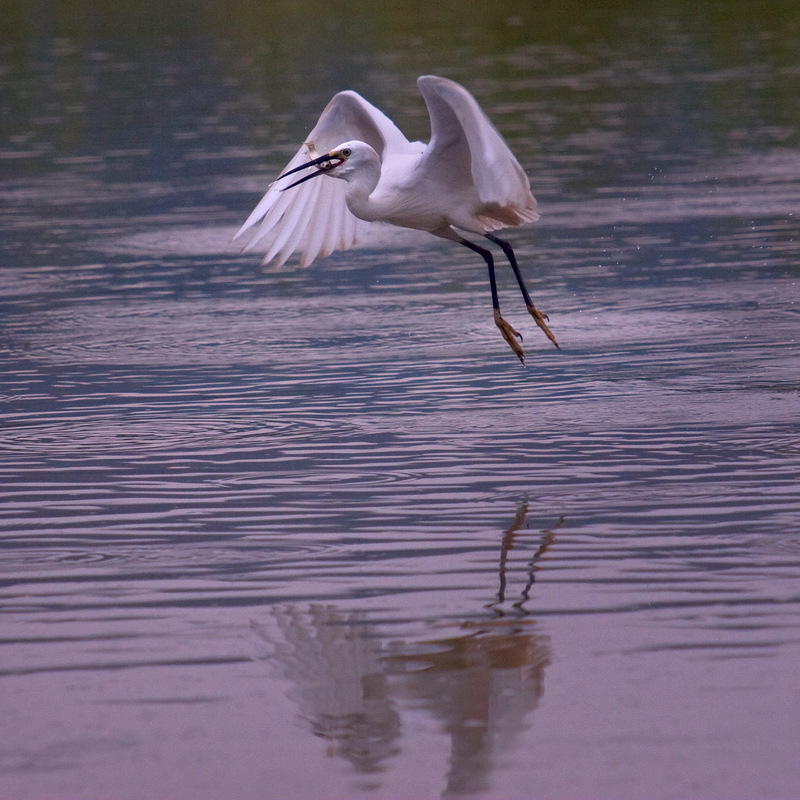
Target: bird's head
331	163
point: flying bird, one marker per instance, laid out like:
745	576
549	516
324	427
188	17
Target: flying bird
466	179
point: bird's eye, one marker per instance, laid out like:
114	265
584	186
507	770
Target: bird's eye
347	152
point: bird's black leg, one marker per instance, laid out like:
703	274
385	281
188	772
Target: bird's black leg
509	334
538	316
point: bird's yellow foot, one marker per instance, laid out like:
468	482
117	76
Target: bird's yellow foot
510	335
541	321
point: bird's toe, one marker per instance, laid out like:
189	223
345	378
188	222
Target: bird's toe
512	336
541	320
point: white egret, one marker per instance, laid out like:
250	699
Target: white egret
465	179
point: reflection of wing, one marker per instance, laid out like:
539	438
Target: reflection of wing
313	219
334	662
467	153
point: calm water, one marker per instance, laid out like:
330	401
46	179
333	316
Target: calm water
316	533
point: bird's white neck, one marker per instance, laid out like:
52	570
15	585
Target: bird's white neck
362	175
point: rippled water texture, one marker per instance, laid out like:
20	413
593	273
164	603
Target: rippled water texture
316	533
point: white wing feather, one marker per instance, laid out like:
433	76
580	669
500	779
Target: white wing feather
467	153
313	218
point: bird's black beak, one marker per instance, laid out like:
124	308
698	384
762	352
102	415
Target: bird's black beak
324	163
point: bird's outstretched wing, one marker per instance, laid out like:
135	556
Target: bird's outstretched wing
467	153
313	219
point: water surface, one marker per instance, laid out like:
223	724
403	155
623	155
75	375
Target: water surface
316	533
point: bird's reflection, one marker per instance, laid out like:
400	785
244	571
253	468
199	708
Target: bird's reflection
481	686
334	661
351	685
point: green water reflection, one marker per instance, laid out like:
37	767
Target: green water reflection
673	79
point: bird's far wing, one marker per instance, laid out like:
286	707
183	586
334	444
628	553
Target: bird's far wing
313	218
464	141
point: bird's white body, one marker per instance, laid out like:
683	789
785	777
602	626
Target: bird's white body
465	178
